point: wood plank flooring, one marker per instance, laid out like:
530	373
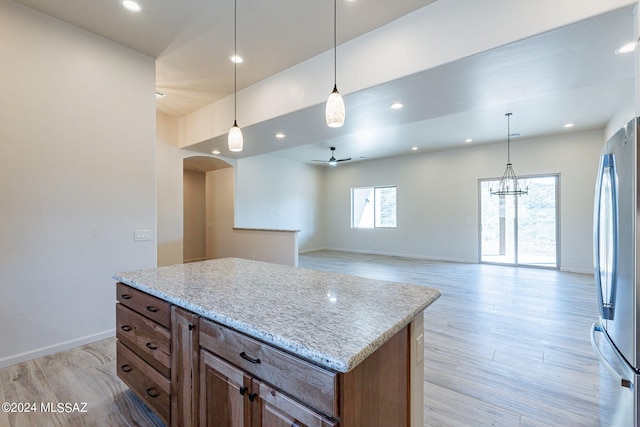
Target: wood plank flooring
503	347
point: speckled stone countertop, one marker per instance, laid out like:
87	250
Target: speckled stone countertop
334	320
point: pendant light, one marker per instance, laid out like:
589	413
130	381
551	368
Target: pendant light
235	140
508	185
335	112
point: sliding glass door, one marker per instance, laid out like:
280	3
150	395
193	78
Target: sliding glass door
520	230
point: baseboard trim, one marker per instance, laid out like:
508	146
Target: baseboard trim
399	255
55	348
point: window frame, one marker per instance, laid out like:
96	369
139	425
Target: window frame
373	188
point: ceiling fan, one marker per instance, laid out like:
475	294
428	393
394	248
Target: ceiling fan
333	161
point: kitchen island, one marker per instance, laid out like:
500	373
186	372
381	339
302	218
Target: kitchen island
272	345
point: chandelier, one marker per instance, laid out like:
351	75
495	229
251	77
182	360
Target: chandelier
509	185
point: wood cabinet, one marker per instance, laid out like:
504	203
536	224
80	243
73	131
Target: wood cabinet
312	385
192	371
230	397
144	347
184	368
224	393
284	390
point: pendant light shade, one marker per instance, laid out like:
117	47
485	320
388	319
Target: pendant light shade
335	111
235	140
509	185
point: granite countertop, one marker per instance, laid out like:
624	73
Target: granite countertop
334	320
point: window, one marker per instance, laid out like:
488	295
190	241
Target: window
521	230
373	207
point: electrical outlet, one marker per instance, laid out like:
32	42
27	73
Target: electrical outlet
141	235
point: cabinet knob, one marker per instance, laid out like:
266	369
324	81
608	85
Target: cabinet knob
192	327
252	396
243	390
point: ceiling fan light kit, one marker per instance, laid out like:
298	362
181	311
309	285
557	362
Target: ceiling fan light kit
335	111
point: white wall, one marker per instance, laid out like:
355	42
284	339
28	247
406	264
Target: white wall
194	217
169	184
437	197
77	176
277	193
220	199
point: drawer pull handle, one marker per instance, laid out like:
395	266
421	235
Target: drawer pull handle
152	309
243	390
151	346
125	328
249	359
252	396
152	392
126	368
125	296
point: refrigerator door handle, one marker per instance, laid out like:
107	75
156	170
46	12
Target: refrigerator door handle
605	242
621	378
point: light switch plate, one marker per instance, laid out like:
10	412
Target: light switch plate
141	235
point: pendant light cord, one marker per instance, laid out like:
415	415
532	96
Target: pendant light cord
235	62
335	44
508	137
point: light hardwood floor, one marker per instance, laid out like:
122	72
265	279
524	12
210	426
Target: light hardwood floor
503	347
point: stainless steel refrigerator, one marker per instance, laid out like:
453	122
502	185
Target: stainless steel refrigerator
616	336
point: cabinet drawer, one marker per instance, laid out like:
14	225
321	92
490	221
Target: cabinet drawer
146	382
145	337
307	382
278	409
145	304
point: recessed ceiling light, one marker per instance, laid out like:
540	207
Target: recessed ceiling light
414	148
236	58
396	105
568	125
131	5
159	94
468	140
280	135
626	48
216	152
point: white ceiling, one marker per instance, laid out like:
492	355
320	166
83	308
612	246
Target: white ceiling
193	39
567	75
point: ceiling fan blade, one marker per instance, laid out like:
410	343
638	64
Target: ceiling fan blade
332	161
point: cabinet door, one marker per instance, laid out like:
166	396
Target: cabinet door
184	368
224	391
274	409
